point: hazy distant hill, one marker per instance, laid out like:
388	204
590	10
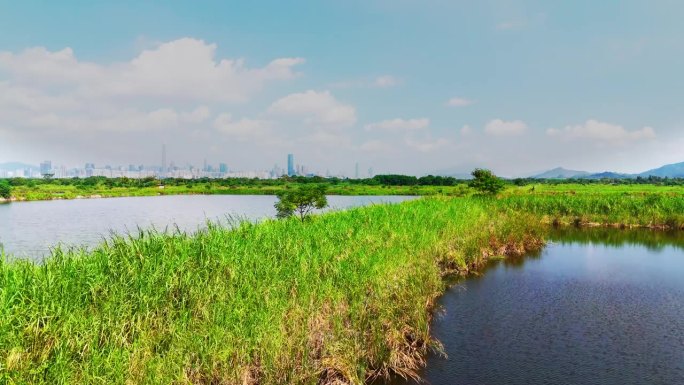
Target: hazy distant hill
609	175
13	166
675	170
455	173
561	173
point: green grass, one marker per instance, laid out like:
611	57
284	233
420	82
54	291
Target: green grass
53	190
57	191
621	210
595	189
345	297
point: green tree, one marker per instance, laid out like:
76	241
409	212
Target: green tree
486	182
5	189
300	201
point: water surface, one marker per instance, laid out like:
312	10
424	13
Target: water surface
30	229
595	307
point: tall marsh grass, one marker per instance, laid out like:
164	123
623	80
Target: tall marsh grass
657	210
341	298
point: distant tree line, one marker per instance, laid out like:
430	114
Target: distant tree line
378	180
387	180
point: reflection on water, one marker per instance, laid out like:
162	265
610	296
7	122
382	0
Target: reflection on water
29	229
649	239
598	306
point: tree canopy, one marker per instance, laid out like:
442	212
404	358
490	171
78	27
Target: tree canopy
5	190
486	182
301	201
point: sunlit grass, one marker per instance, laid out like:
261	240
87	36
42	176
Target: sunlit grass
343	297
57	191
644	209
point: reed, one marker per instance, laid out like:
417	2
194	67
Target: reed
654	210
341	298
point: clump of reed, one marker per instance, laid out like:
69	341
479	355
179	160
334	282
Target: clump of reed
652	210
342	298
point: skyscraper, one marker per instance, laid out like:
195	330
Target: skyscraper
46	168
290	165
163	168
356	171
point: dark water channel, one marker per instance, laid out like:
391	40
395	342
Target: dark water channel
594	307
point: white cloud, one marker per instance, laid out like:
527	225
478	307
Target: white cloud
396	125
459	102
179	70
53	95
498	127
601	131
124	121
243	129
163	117
385	81
466	130
327	138
376	146
196	116
316	108
427	145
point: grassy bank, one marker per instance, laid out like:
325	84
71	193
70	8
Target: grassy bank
111	188
342	298
345	296
56	191
652	210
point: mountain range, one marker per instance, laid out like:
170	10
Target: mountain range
675	170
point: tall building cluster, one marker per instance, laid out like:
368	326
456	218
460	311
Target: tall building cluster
170	170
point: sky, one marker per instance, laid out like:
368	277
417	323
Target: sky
402	86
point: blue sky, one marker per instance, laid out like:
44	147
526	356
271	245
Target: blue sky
592	85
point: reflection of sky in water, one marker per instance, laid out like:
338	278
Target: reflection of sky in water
31	228
577	314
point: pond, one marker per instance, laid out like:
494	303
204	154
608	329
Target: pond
30	229
594	307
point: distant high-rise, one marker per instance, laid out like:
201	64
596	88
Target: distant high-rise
163	167
223	168
356	171
370	172
46	168
290	165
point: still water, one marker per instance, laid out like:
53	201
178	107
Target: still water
595	307
29	229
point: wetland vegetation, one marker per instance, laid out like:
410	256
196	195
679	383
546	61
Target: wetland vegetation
345	297
100	187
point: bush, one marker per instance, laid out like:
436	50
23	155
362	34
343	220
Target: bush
486	182
300	201
5	190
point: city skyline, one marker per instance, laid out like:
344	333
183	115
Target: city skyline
414	88
170	170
